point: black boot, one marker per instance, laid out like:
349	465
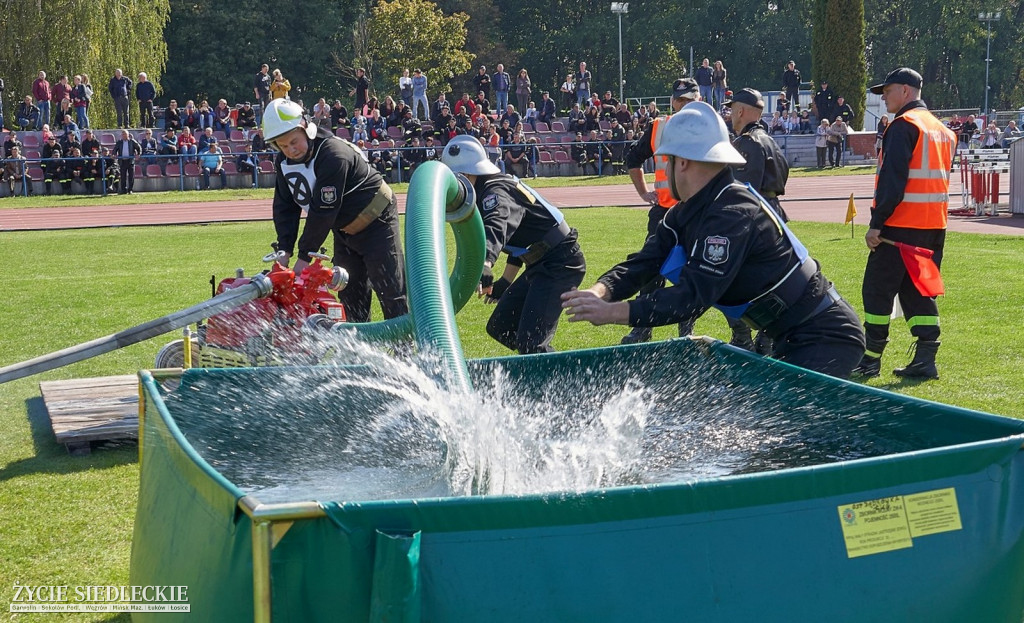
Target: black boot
685	328
637	335
868	367
923	364
740	335
871	363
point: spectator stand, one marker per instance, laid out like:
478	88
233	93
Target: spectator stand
979	181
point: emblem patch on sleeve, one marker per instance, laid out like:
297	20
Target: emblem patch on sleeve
328	195
489	203
716	250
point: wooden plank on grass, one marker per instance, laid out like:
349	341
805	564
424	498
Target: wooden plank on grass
93	409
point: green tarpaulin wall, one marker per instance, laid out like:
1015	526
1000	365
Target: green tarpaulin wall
932	533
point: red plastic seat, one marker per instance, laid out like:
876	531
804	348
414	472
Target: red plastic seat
557	126
545	157
138	170
191	169
173	170
107	139
30	139
153	170
34	173
266	166
543	128
230	168
237	136
562	158
343	133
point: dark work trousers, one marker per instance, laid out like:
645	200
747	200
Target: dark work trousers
793	95
831	342
146	113
127	174
835	154
527	314
885	276
654	218
373	259
121	108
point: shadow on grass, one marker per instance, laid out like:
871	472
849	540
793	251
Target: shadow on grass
50	457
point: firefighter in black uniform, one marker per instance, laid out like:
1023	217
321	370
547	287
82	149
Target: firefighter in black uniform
532	232
330	180
766	170
722	246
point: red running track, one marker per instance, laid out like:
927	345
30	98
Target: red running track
818	199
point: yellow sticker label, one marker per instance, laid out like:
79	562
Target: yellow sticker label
932	512
875	526
888	524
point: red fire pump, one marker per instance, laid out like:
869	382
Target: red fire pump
265	331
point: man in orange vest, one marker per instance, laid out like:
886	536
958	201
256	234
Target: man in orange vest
910	205
684	91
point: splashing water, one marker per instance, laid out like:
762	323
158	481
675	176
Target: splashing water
372	426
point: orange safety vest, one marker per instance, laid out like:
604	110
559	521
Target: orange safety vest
661	186
926	197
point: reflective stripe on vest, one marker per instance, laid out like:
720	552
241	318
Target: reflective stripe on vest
926	196
661	186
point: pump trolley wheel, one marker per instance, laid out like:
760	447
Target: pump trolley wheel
173	355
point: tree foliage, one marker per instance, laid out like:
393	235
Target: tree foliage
837	49
217	47
71	37
416	34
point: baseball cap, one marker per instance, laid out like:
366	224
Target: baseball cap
685	87
900	75
750	97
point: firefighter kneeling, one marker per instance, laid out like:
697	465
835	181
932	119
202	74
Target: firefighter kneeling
722	245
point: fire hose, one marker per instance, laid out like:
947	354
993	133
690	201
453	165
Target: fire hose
259	287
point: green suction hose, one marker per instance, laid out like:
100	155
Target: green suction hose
433	191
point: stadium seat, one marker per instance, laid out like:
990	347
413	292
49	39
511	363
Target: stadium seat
561	157
543	128
557	127
30	139
343	133
173	170
191	169
230	168
220	135
266	166
138	170
237	136
153	170
107	139
545	157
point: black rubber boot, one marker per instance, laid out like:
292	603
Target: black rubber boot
637	335
868	367
923	364
685	328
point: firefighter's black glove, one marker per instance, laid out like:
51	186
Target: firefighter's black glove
486	279
497	290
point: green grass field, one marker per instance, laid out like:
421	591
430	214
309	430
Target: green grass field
68	520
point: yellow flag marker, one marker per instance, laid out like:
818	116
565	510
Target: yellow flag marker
851	211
